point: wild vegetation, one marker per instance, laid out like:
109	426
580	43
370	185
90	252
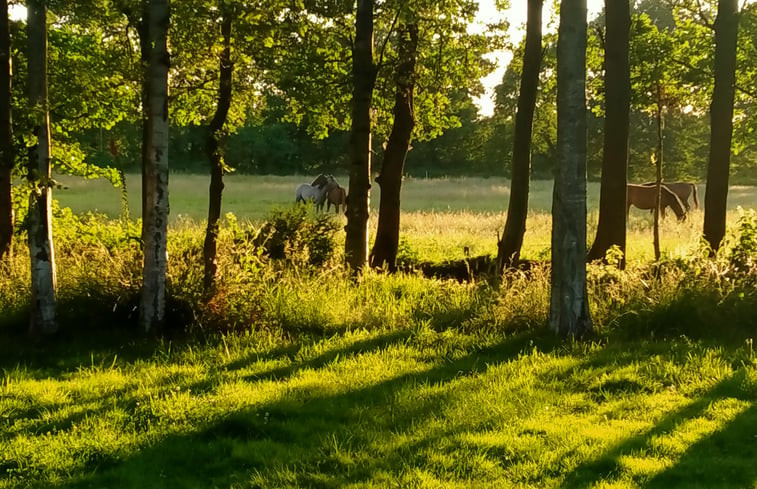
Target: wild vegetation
293	375
244	340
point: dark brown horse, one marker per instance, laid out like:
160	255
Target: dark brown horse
336	196
644	197
683	190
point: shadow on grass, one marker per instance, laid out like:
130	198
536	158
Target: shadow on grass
56	361
312	433
356	348
723	459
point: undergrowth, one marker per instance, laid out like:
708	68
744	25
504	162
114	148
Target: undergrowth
296	374
285	276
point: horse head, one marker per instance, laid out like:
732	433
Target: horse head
674	202
321	180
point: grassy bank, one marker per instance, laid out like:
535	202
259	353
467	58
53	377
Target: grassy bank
297	376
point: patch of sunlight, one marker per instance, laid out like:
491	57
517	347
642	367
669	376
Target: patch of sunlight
619	484
641	466
241	394
417	477
663	450
674	443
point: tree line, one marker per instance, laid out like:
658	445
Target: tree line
270	140
374	78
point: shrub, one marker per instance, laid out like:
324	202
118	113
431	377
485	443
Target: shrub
299	236
742	254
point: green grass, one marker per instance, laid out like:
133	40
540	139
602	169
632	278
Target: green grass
441	217
300	377
412	407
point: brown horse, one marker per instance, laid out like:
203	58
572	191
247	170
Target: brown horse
683	190
644	197
336	196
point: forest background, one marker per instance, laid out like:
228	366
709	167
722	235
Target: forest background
271	134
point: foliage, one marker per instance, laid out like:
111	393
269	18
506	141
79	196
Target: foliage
299	236
406	255
450	60
386	380
743	254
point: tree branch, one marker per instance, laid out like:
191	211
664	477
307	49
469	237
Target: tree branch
386	39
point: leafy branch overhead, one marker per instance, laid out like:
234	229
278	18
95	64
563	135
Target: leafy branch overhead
450	60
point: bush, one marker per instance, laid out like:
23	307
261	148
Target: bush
299	236
743	253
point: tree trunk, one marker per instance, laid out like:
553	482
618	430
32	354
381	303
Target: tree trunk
721	122
215	155
7	156
155	226
658	174
364	79
517	209
611	228
388	233
569	306
42	321
137	17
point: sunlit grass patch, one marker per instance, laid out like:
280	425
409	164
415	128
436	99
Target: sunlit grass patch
366	409
301	376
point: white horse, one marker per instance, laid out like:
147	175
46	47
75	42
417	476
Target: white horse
316	191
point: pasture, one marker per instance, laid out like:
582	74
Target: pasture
440	217
295	376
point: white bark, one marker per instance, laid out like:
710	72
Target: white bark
152	304
42	320
569	309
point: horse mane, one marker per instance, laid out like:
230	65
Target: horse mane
694	193
681	210
320	181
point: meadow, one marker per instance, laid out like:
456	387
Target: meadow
294	376
441	217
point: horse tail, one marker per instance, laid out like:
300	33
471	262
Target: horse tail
694	192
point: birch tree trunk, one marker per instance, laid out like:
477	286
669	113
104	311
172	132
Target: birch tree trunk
153	298
611	228
515	226
42	320
364	79
388	232
569	306
721	122
7	156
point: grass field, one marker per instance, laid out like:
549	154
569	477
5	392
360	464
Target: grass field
440	217
408	408
298	377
